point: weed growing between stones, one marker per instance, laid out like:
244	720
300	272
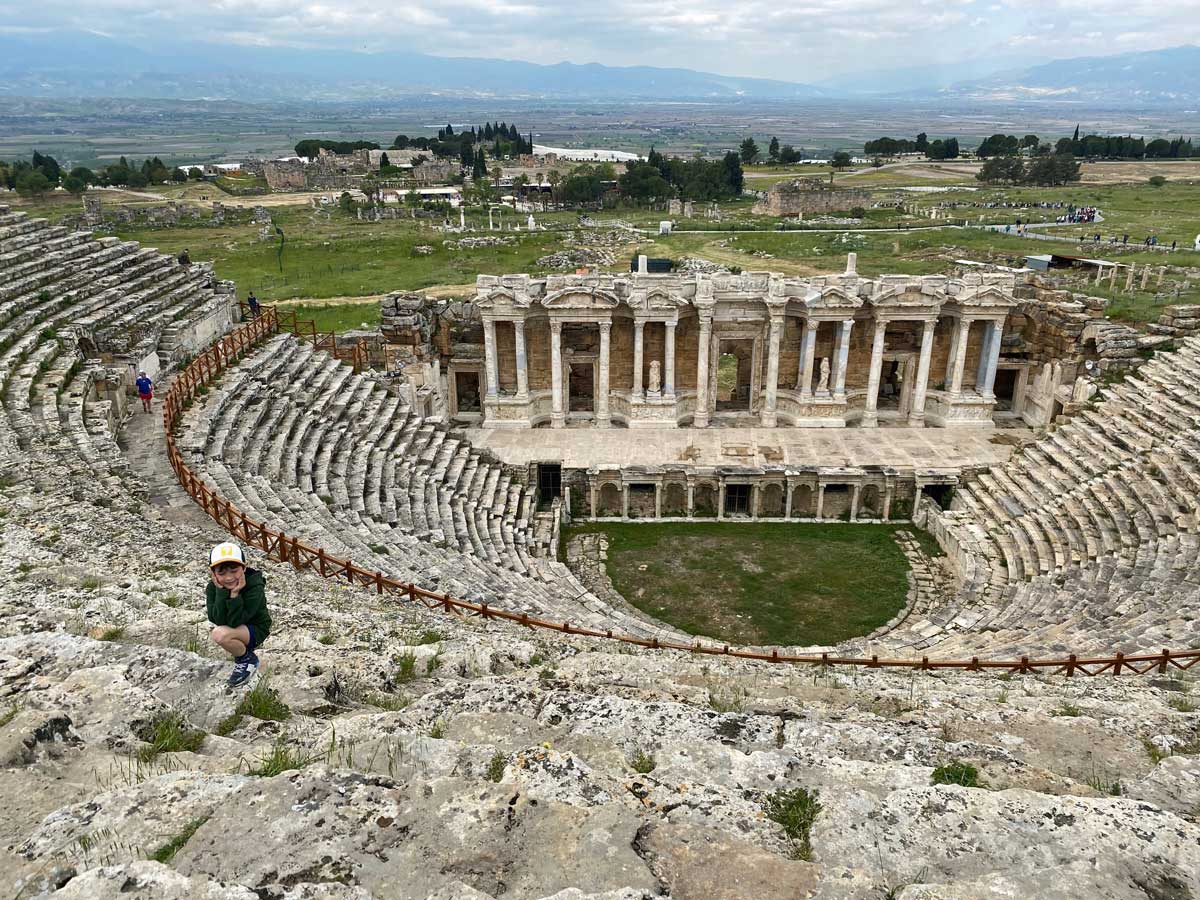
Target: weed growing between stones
326	639
1182	704
167	851
642	762
260	702
282	758
433	663
796	810
429	636
113	633
957	772
168	733
437	730
9	714
495	767
171	600
1099	781
1067	710
406	667
90	583
725	698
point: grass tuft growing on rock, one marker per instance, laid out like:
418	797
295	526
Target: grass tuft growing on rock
9	714
261	702
282	758
406	667
168	733
167	851
796	810
112	633
957	772
642	762
495	767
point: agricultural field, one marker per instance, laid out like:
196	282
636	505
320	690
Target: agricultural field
330	256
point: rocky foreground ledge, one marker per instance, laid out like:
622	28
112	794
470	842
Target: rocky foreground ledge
392	753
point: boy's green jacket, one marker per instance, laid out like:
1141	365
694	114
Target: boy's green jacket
248	608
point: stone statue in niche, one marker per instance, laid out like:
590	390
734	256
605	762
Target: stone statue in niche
655	377
823	384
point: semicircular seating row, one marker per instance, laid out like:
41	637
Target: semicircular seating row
1085	540
53	283
297	439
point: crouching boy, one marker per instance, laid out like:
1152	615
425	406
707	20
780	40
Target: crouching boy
236	599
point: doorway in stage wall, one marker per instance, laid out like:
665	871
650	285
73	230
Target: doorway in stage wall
466	391
897	378
581	387
734	375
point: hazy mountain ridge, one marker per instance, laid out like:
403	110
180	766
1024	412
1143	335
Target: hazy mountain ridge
52	66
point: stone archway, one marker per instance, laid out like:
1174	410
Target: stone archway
609	501
804	504
674	499
770	501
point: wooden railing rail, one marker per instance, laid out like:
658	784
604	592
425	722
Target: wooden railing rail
284	548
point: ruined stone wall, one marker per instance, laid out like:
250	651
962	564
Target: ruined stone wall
288	175
805	196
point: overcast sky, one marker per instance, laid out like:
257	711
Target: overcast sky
800	41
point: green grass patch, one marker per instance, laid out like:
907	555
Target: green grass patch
168	733
796	810
261	702
167	851
337	317
782	583
957	772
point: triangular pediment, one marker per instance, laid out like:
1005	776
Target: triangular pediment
580	298
832	297
986	295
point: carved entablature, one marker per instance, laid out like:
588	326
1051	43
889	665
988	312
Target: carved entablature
985	297
656	300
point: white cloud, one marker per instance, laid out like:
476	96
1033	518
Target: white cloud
808	40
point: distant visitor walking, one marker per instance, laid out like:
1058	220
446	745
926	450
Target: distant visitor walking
236	602
252	302
145	389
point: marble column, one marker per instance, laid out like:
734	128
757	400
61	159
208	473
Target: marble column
721	499
870	417
989	359
700	419
808	352
658	489
522	359
489	358
638	328
856	491
958	357
843	358
669	368
917	416
557	418
820	502
768	413
602	417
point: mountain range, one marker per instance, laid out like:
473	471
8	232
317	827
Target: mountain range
83	64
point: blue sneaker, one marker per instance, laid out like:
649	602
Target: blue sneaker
243	669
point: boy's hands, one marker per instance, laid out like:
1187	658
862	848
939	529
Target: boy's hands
239	584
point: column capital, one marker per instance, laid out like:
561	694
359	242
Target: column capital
556	326
605	327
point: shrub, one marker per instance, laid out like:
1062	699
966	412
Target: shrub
326	639
1156	180
796	810
113	633
957	772
428	636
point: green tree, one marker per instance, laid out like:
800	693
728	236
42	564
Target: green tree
922	143
748	151
1030	141
734	177
1058	168
74	185
789	154
1002	170
773	149
384	162
32	183
48	166
841	160
643	181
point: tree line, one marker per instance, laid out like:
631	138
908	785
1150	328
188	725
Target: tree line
1046	170
42	174
659	177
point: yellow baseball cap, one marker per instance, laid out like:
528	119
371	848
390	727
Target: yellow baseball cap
227	552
